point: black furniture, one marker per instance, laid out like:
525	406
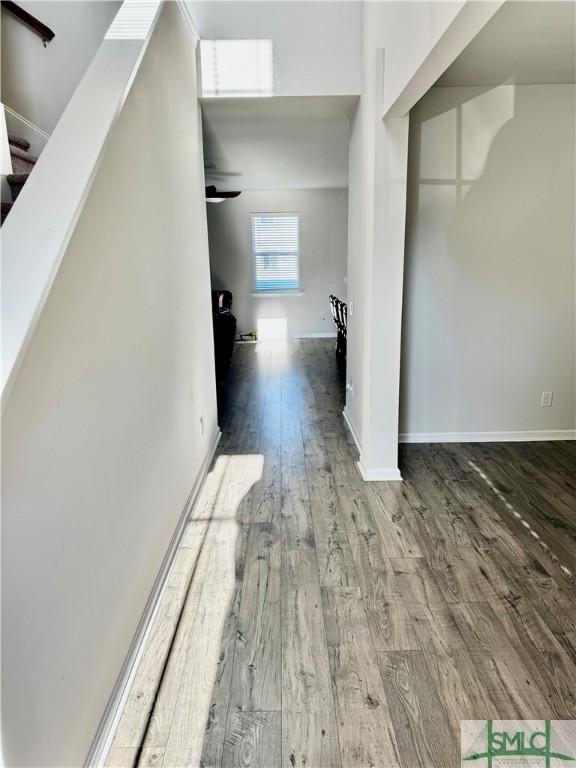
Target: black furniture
339	311
224	325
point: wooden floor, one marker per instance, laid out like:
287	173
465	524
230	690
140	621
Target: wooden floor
315	620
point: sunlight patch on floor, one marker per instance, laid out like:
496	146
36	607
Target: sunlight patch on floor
227	484
207	606
170	697
272	329
520	518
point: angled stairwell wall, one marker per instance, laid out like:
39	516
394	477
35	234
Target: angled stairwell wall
37	82
110	415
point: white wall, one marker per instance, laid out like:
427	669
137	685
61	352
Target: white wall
323	234
101	431
489	319
38	82
317	45
278	143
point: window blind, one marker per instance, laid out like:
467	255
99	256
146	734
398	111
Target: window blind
133	20
237	67
276	252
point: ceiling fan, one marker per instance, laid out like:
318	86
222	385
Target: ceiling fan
215	196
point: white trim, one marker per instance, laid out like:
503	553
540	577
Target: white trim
113	712
454	38
316	335
27	123
370	474
487	437
378	474
188	18
352	430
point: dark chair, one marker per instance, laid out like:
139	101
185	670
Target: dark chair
339	311
224	325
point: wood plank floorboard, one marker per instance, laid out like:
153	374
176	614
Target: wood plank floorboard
364	723
312	620
257	662
253	740
386	612
460	687
309	732
421	726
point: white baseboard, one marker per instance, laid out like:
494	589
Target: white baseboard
316	336
370	474
487	437
351	429
293	338
379	474
107	728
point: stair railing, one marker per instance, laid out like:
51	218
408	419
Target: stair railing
37	26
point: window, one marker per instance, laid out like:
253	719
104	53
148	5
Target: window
276	252
134	20
237	67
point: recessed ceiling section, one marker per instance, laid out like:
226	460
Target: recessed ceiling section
277	143
527	42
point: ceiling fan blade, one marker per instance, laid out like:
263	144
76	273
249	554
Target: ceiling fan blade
212	192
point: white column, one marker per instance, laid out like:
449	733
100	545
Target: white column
383	292
406	48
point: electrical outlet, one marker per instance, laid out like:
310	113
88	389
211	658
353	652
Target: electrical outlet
546	400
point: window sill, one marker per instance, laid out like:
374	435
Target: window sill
273	294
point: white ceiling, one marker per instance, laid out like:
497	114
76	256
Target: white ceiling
292	142
526	42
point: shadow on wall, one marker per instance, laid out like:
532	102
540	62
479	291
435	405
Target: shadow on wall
488	206
229	244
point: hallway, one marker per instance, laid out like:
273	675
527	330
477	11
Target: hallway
312	619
